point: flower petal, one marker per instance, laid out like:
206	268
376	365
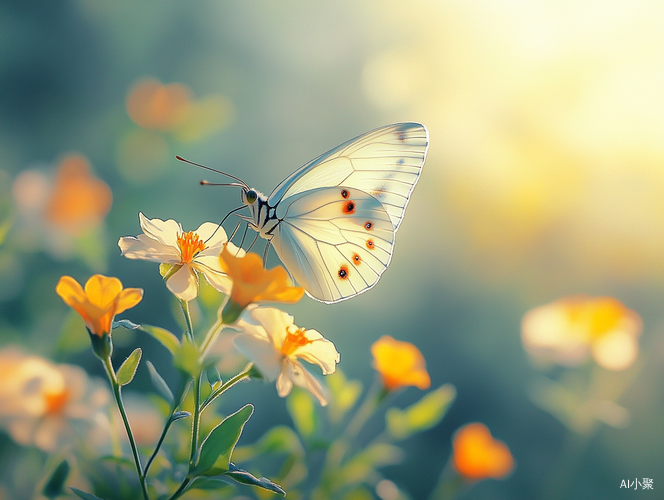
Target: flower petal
165	232
146	248
70	291
128	298
321	352
285	379
261	352
102	290
302	378
275	321
183	284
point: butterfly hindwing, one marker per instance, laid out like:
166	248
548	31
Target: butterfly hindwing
335	242
385	163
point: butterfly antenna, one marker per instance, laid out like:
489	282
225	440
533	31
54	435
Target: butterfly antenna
242	183
222	221
206	183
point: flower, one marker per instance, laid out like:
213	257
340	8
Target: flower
571	329
253	283
43	404
400	364
101	300
153	105
78	200
190	252
478	456
276	346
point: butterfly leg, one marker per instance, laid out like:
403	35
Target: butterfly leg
267	247
253	242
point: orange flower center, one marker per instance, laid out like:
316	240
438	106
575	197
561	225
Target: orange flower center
294	340
190	244
55	401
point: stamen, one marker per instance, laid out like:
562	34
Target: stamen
295	338
190	245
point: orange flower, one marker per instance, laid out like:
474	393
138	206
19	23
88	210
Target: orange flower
101	300
155	106
478	456
400	364
253	283
568	330
78	200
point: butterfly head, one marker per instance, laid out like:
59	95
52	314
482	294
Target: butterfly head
249	196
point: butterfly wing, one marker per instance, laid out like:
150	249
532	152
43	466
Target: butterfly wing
336	242
385	163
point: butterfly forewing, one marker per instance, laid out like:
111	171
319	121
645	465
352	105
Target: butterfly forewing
384	163
336	242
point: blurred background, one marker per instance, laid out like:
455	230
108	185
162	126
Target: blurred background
545	178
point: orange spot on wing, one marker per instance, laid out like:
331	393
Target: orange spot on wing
345	194
357	259
368	225
348	207
343	272
370	244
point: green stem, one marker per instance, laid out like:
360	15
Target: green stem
187	319
167	426
561	475
180	491
118	400
450	484
197	416
229	383
211	336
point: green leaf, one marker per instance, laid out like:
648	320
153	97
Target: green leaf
345	394
280	439
128	369
121	461
187	358
84	495
216	450
160	384
244	477
212	484
423	415
179	415
125	323
166	338
56	482
213	376
364	464
303	412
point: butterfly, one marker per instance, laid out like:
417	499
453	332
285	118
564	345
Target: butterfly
333	221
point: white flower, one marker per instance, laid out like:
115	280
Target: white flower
43	404
276	346
191	252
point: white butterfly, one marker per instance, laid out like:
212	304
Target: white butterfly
332	222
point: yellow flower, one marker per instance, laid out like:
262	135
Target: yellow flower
478	456
193	253
253	283
101	300
400	364
571	329
276	346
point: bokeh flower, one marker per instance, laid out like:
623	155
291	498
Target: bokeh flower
400	364
571	329
276	346
192	253
101	300
78	200
253	283
153	105
44	404
477	455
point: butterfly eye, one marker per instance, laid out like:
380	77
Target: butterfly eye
344	193
251	196
370	244
349	207
368	225
343	272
